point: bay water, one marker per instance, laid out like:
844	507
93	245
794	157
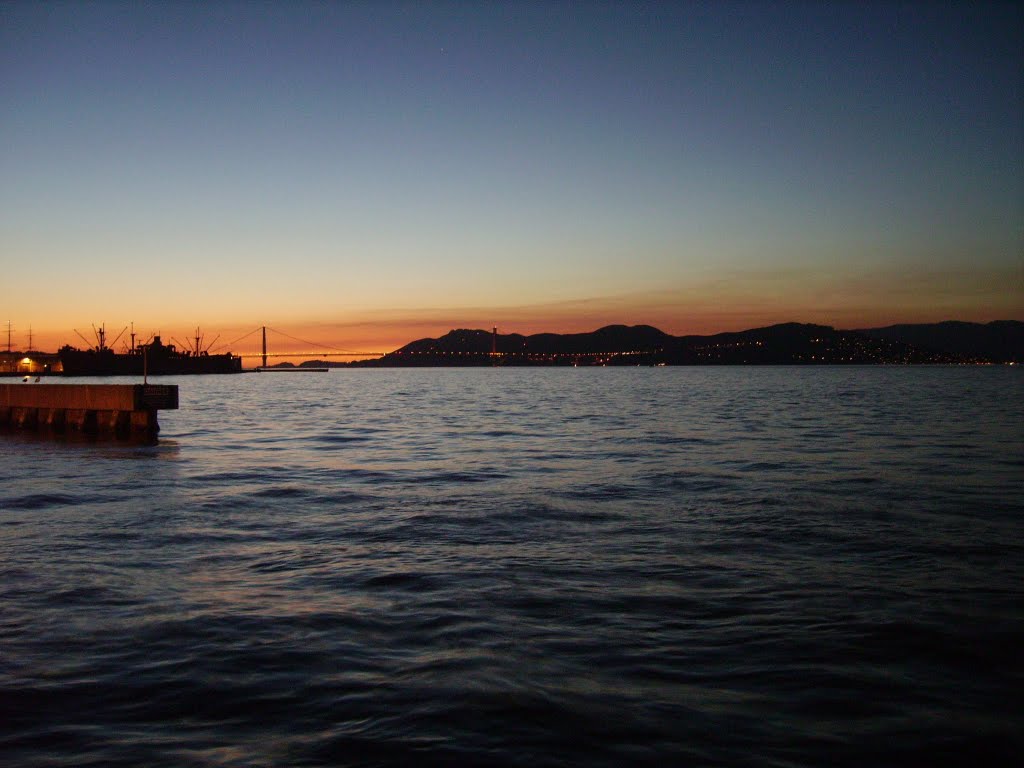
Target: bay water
780	566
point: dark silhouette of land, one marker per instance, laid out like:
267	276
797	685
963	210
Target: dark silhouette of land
1001	341
784	344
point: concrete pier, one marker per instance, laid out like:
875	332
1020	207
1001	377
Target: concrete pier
116	410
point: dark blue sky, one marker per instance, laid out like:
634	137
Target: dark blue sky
708	163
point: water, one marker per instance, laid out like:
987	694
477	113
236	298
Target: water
525	567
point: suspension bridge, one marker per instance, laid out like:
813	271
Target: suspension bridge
312	348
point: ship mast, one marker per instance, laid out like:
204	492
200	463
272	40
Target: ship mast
101	336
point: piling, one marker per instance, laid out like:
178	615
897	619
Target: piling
105	410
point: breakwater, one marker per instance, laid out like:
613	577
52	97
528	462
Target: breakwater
119	410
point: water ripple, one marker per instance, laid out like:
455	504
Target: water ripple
546	567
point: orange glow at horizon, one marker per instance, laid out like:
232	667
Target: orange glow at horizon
719	302
386	336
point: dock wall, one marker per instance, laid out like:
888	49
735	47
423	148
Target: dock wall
121	410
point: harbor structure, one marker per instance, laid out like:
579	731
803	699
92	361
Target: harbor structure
29	363
111	410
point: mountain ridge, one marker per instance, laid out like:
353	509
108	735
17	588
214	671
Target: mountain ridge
998	340
947	342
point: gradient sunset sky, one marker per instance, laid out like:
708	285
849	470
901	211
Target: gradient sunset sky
368	173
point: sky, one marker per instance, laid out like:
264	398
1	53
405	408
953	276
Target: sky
362	174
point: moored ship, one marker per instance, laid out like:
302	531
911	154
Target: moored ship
153	358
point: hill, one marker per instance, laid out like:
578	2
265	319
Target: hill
999	341
782	344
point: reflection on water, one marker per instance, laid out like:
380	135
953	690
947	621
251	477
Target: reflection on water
521	567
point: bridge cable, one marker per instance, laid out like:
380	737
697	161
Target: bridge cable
311	343
240	338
